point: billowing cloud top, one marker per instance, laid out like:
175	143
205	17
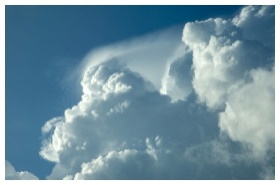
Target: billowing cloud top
206	113
234	67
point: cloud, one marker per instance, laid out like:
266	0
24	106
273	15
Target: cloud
131	164
12	174
188	116
229	159
249	115
177	81
233	68
147	55
150	56
221	58
255	21
120	112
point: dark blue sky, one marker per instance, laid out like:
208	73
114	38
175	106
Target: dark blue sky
43	43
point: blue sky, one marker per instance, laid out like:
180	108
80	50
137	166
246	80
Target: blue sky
47	45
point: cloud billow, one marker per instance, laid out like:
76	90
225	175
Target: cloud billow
235	69
213	111
12	174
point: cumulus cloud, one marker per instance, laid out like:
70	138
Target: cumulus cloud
249	115
12	174
233	68
199	112
123	114
254	22
229	159
131	164
147	55
177	81
221	58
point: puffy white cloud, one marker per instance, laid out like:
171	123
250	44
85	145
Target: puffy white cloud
12	174
147	55
130	164
221	57
136	122
250	114
107	90
257	23
118	115
231	62
152	56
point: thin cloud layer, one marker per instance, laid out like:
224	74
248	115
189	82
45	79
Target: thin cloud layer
12	174
203	116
